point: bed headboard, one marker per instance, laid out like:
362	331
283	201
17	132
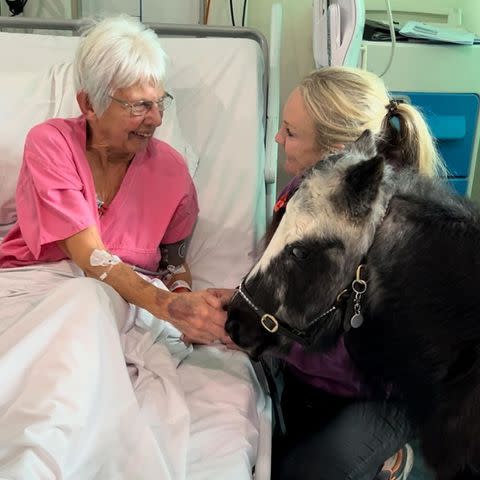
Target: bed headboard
219	78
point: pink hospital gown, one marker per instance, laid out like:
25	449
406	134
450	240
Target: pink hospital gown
156	202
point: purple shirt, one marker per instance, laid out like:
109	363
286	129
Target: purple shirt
333	371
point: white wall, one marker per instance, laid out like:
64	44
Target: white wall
177	11
98	7
471	15
154	11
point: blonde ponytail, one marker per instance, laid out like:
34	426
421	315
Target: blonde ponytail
416	140
343	102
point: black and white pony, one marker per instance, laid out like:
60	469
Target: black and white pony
392	261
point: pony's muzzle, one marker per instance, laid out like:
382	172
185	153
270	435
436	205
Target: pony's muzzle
243	325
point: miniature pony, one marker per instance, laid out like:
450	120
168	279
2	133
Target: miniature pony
390	260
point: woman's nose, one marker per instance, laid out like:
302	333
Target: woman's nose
154	117
280	138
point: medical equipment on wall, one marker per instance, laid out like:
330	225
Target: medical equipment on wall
337	31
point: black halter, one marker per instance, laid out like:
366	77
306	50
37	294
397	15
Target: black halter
273	325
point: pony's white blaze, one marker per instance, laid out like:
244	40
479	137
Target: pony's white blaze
307	215
291	228
312	214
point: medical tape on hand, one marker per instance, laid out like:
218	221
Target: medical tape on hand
102	258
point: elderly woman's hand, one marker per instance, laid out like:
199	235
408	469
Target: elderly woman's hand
223	294
199	316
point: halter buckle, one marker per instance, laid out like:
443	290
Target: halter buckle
269	323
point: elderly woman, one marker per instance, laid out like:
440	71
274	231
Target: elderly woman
98	197
101	191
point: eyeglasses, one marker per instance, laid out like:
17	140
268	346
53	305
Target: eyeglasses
141	108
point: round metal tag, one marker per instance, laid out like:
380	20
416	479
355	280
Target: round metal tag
357	320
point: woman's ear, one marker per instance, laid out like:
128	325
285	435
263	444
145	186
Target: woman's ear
338	147
84	103
334	149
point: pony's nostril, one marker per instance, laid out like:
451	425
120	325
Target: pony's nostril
232	328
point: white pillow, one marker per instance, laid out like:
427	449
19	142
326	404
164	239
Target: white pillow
171	132
24	103
29	98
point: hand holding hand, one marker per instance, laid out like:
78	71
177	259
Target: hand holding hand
199	316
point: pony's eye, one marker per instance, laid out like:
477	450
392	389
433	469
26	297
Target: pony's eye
300	253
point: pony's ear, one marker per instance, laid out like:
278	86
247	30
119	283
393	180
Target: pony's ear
361	185
365	145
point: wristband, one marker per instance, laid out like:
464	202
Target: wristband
180	284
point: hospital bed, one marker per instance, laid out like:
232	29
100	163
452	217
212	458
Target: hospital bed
225	85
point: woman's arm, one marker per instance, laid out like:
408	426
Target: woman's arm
198	315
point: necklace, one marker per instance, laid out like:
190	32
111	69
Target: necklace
101	207
100	174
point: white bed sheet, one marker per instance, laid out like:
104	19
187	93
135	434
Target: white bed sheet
70	410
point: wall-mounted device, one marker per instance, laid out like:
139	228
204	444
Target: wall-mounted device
337	32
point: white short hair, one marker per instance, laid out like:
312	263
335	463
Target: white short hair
117	52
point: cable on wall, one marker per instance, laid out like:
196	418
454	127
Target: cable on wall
244	11
392	36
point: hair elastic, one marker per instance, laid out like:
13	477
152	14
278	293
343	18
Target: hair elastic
392	107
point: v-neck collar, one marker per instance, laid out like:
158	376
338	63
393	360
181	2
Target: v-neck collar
122	193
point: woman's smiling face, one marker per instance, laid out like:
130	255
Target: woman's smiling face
122	133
